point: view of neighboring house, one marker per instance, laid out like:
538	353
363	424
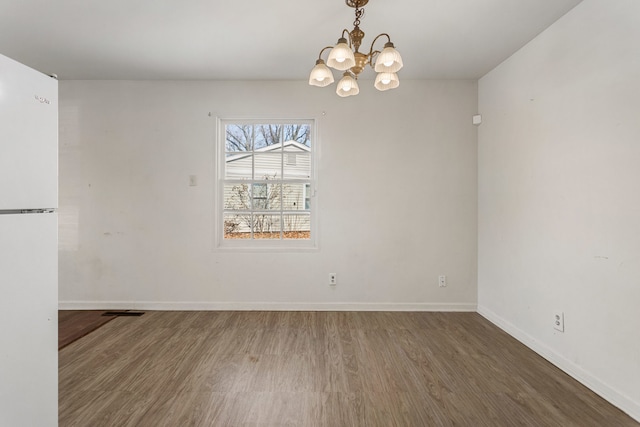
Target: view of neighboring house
268	190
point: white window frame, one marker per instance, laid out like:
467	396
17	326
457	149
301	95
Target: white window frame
262	244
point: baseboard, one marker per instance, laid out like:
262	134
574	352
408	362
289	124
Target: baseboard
603	390
96	305
261	306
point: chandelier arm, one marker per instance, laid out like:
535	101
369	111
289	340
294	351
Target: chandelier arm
348	36
372	56
322	51
371	51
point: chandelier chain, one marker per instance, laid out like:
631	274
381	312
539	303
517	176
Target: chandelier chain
359	13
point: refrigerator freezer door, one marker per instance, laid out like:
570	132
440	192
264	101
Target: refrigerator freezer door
28	137
29	319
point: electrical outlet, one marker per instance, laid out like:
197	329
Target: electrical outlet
442	281
558	321
333	279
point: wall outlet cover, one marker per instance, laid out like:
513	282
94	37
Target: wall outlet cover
558	321
442	281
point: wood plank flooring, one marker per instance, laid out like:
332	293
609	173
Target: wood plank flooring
316	369
74	324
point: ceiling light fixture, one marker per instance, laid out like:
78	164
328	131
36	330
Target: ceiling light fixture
345	56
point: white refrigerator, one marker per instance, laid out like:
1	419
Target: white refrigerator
28	246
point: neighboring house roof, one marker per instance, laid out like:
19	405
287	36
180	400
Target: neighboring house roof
273	147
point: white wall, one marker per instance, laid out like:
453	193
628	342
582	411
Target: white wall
559	196
134	234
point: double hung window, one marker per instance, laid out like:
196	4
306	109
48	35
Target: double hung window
266	182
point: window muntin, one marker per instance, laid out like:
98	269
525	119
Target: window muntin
266	177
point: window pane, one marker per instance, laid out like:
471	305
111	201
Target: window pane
297	165
266	226
307	196
238	138
260	199
260	191
266	197
237	197
298	133
268	166
237	226
297	226
267	135
274	196
238	166
293	196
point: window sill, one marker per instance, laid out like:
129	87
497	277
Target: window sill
267	246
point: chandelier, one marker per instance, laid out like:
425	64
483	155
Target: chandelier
345	56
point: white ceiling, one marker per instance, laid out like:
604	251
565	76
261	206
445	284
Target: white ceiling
262	39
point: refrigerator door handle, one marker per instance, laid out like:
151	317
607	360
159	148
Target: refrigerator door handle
26	211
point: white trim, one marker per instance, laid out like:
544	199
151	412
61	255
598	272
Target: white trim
590	381
262	306
96	305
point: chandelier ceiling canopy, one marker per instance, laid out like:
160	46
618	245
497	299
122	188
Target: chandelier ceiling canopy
346	56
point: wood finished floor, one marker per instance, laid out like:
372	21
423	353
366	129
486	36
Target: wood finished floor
316	369
74	324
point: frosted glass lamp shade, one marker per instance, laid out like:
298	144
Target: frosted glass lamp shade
321	75
389	60
347	86
341	56
386	81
